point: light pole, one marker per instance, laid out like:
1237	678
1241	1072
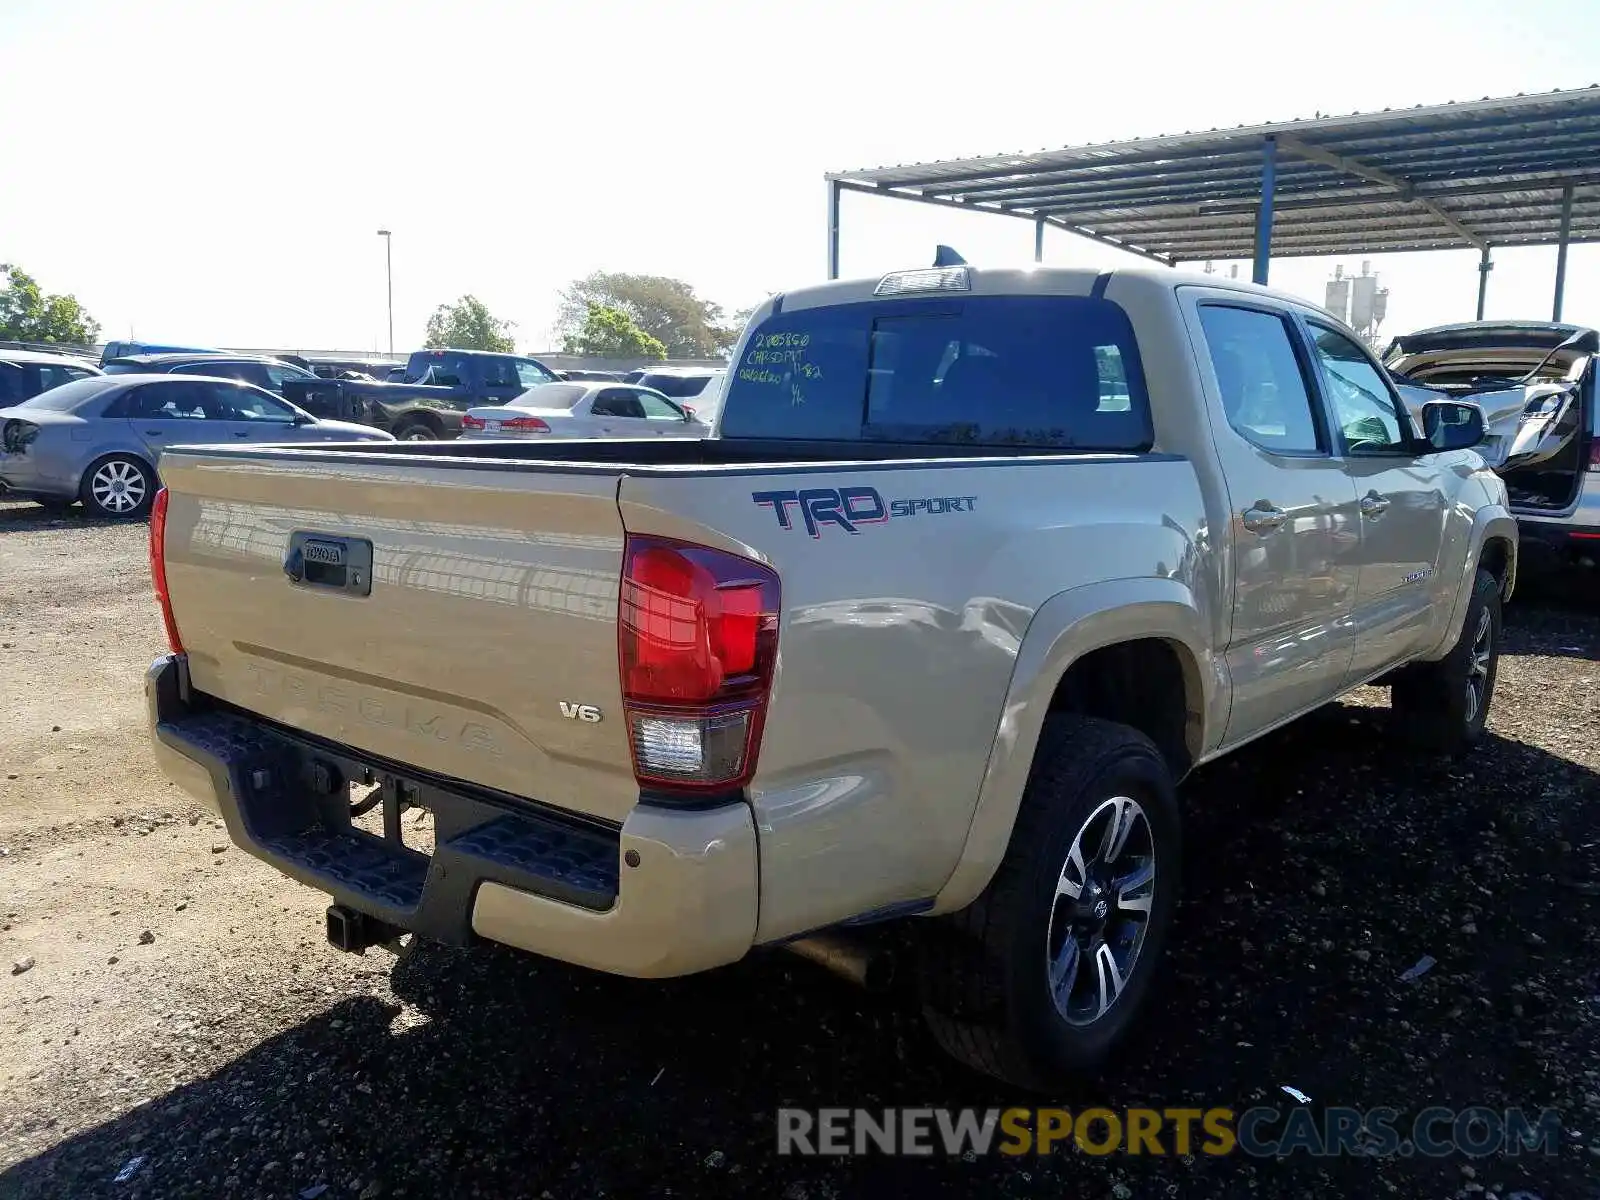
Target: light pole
388	262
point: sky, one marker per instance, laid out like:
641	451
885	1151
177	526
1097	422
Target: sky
214	171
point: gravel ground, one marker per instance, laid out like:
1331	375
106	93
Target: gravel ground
183	1009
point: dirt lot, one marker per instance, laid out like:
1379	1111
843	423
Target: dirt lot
182	1008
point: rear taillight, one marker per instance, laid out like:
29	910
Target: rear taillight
471	422
158	568
699	640
1594	454
526	425
15	436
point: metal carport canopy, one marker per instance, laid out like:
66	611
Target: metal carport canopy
1518	171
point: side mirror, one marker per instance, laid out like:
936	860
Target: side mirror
1452	425
302	419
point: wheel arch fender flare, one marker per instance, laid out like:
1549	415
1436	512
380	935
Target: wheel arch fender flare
1490	523
1068	626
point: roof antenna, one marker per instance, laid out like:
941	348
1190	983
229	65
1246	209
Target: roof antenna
943	256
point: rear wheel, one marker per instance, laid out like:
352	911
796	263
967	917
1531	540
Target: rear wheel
1443	706
118	485
1043	975
416	430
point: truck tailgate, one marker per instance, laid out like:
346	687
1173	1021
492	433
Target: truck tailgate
483	645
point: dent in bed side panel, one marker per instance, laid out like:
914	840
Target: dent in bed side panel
898	642
1066	628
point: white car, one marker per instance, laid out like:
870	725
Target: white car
698	389
583	410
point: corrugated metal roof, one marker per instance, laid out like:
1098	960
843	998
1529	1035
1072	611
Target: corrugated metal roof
1429	178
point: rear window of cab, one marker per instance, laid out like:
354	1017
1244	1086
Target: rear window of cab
1058	372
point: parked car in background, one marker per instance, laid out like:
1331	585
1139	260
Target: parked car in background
583	410
579	375
698	389
264	372
293	383
341	368
113	350
26	373
1535	381
438	387
100	439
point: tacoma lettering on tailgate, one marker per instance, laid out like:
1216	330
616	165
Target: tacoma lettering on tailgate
371	710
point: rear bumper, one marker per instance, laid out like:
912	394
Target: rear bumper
21	478
1558	540
501	869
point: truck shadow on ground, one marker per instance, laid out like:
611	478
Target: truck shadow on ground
1321	863
19	516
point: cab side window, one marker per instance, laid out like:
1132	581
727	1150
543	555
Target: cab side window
1263	388
1364	409
617	402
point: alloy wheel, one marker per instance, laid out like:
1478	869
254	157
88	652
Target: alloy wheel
118	487
1101	911
1478	665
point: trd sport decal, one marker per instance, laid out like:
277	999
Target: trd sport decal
851	507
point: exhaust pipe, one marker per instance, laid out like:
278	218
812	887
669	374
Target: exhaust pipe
866	966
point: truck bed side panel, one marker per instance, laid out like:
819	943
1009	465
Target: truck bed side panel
899	640
493	600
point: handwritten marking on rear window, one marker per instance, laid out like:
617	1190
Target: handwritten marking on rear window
779	358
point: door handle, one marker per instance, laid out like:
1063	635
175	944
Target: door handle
152	433
1263	517
241	433
1374	505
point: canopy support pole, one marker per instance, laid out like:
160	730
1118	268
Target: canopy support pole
833	228
1561	251
1485	265
1269	184
1038	240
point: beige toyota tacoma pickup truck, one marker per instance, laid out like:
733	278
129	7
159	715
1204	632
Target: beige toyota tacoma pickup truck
979	565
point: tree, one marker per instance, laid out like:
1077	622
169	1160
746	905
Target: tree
666	309
468	325
610	333
29	314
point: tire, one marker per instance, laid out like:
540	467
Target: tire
986	972
120	486
1443	706
416	429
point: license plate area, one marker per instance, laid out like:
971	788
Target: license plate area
337	564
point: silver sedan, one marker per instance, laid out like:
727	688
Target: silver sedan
100	440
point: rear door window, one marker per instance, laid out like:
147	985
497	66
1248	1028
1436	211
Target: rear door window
658	408
165	402
617	402
1058	372
275	377
440	370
